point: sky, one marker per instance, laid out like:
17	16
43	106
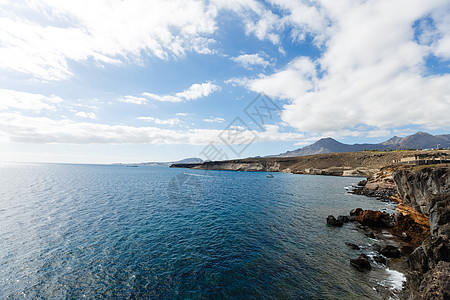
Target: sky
138	81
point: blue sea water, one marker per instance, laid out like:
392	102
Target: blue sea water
96	231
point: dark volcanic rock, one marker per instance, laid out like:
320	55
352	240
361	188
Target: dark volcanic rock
362	183
371	235
352	246
356	211
406	237
436	283
380	259
440	214
331	220
430	253
362	262
390	251
343	219
419	188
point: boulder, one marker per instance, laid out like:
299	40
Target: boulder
380	259
356	211
390	251
343	219
361	263
352	246
331	220
362	183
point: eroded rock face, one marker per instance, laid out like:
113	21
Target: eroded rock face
427	189
430	253
422	188
436	283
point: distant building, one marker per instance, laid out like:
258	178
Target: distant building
424	159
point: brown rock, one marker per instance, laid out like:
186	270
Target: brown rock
375	218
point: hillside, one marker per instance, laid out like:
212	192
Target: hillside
340	164
419	140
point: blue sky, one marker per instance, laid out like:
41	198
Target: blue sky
134	81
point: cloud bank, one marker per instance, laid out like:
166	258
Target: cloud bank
372	72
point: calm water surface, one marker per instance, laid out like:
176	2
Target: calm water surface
73	231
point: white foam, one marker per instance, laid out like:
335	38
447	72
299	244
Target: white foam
395	279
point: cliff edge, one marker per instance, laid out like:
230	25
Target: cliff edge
427	189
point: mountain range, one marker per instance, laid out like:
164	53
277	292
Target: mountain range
419	140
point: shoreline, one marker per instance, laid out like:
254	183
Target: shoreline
422	196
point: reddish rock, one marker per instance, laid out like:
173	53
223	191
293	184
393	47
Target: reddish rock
375	218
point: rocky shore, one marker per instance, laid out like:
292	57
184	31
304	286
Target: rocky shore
420	228
422	194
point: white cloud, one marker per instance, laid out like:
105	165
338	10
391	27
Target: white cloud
195	91
132	100
237	81
371	73
214	120
18	128
170	121
89	115
40	37
182	114
11	99
249	60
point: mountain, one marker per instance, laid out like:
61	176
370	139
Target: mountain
191	160
420	140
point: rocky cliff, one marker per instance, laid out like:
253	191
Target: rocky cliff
427	189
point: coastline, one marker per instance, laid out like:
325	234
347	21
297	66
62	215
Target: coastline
421	229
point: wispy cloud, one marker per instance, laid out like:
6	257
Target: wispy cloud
89	115
250	60
170	121
214	120
194	92
132	100
20	128
12	99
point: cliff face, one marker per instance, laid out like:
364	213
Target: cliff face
427	189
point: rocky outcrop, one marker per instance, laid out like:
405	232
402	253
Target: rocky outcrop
332	221
427	190
375	218
380	185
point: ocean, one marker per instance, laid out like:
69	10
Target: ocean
111	231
